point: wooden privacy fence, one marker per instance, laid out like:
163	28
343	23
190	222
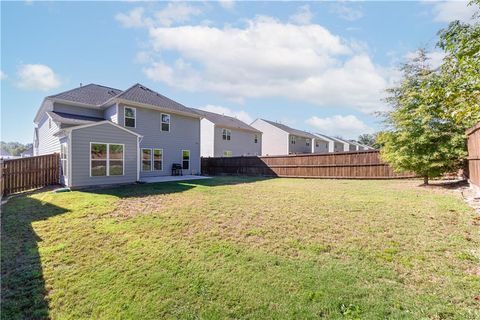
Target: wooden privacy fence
341	165
473	142
29	173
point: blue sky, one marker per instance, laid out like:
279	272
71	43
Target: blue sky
317	66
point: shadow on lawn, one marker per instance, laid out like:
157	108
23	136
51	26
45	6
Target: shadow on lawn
23	286
149	189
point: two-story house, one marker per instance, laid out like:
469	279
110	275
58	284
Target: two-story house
279	139
107	136
224	136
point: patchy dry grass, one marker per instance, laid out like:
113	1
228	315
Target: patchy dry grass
242	248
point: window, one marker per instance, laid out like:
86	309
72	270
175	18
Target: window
158	159
130	116
115	159
226	134
307	142
227	153
255	138
63	159
292	139
106	159
49	123
98	156
146	159
317	144
185	159
165	122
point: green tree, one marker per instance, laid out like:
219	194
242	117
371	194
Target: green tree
431	109
14	148
369	139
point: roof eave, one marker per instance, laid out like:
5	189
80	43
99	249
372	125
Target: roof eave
149	106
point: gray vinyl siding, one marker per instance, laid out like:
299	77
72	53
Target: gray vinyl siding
322	146
90	112
338	147
206	138
111	113
241	144
184	134
300	145
47	142
80	154
274	140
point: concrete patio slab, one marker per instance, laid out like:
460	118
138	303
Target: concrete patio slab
172	178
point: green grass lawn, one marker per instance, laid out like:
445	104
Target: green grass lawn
242	248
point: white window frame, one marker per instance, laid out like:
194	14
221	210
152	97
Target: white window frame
307	142
293	140
227	153
134	116
255	138
153	159
108	160
189	157
64	158
317	144
169	122
226	134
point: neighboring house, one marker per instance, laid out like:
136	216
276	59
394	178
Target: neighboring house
5	155
27	153
335	144
224	136
107	136
279	139
361	146
323	144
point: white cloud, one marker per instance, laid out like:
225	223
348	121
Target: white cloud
302	16
3	75
448	11
227	4
173	13
347	12
37	77
344	126
241	115
268	58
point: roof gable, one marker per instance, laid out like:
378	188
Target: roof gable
293	131
225	121
141	94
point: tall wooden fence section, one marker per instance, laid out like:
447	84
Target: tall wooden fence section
29	173
474	154
341	165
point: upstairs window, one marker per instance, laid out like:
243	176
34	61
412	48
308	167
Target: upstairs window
130	117
255	138
292	139
185	159
226	134
165	125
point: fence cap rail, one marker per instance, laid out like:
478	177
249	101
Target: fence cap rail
300	154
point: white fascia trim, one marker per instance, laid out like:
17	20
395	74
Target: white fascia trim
102	122
69	160
166	110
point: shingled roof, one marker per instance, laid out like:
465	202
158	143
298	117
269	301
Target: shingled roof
73	119
141	94
225	121
92	94
293	131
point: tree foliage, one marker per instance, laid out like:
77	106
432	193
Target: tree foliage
369	139
431	109
13	148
